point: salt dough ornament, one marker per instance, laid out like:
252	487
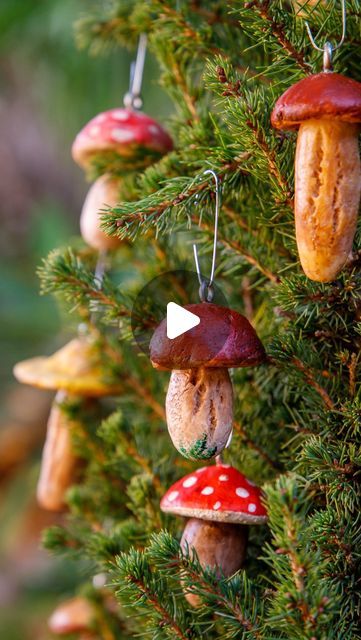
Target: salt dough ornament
74	371
326	110
221	503
199	403
118	140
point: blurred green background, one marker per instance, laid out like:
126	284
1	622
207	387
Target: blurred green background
49	90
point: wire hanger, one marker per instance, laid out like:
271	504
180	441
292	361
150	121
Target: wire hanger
206	292
328	48
133	98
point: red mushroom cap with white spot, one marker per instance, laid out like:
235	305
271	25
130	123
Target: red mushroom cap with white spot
121	131
219	493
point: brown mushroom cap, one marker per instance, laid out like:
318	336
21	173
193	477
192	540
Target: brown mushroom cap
218	493
223	338
324	95
77	368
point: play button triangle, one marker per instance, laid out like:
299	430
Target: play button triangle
179	320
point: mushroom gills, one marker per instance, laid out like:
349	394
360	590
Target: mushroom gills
219	545
59	463
327	195
199	410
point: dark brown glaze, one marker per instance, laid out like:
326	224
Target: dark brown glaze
224	338
324	95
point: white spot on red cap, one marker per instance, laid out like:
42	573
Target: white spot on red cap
223	477
201	469
216	505
242	493
207	491
121	115
225	466
173	496
189	482
94	131
252	484
100	118
252	507
121	135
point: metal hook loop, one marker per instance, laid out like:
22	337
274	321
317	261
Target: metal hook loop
329	48
206	292
132	98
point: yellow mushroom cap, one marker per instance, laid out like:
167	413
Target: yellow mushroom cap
77	368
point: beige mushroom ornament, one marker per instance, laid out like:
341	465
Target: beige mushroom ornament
75	371
221	503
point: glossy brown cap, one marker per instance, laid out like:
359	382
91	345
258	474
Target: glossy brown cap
324	95
223	338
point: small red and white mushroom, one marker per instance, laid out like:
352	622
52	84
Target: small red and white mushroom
220	502
122	138
115	141
199	404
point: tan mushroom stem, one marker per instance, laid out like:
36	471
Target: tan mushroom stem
220	545
59	463
199	410
327	195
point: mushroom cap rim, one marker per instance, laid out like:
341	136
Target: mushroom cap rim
235	517
332	109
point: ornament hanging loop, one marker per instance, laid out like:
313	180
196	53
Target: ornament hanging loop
206	292
133	98
329	48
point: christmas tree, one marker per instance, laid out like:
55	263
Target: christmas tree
297	415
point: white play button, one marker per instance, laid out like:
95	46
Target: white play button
179	320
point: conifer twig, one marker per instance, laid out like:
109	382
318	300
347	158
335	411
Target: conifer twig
251	443
313	383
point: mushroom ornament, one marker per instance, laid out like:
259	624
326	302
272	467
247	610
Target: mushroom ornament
220	502
75	371
199	403
119	140
326	110
113	142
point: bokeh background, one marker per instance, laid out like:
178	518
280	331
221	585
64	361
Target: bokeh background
48	91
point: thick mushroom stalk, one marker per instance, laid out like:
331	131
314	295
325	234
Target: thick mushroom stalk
199	403
219	545
327	195
103	193
220	501
58	463
326	108
199	409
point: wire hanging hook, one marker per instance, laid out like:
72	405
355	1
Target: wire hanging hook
206	292
133	98
328	48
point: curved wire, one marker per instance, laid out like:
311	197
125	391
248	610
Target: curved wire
216	216
341	41
133	97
